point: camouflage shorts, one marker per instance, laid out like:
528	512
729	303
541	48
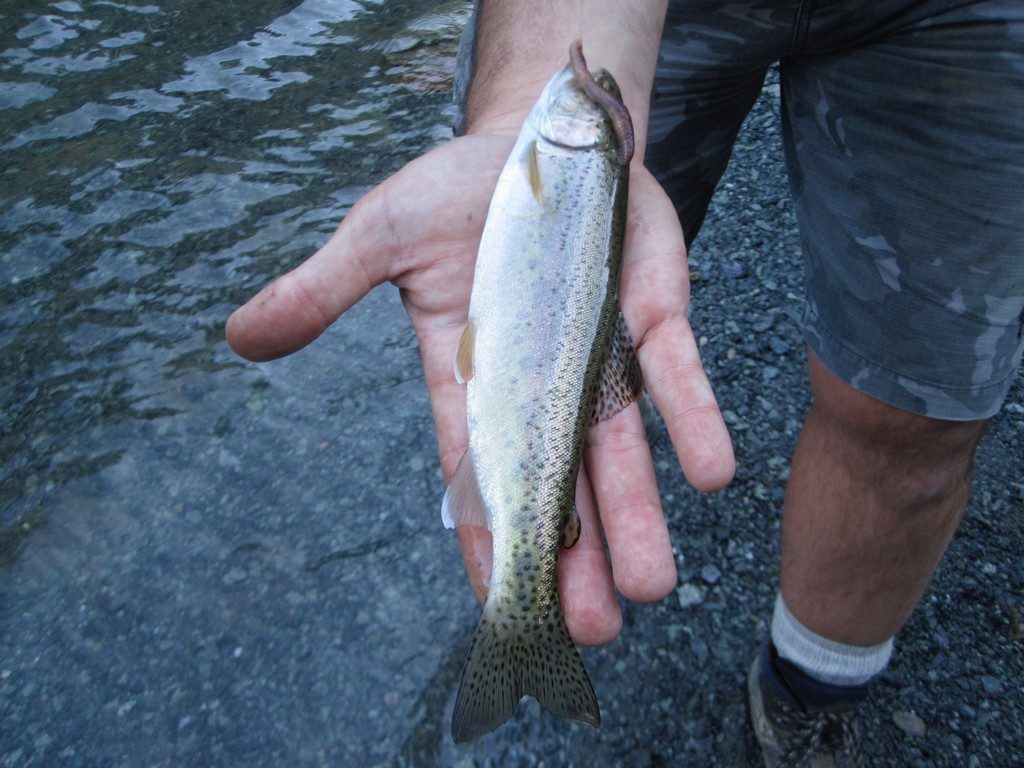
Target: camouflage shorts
903	125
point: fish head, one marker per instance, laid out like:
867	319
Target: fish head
567	117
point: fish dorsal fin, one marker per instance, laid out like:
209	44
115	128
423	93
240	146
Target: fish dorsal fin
621	379
532	164
463	504
464	354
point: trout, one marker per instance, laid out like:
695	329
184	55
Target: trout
545	353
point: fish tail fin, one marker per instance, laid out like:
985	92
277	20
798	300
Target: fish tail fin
509	659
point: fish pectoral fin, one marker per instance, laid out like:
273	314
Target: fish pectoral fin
463	364
532	166
570	528
621	379
463	504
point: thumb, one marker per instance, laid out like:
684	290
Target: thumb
297	307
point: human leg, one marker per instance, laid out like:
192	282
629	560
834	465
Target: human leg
905	193
874	496
904	156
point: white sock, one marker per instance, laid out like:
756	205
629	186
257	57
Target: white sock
824	659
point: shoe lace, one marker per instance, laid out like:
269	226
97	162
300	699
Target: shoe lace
816	733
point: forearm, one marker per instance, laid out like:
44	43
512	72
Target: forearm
521	43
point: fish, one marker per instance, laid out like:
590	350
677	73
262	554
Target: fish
545	353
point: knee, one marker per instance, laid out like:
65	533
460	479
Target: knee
917	460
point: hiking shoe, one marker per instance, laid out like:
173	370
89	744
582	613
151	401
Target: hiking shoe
793	736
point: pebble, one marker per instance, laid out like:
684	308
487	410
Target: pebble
235	576
710	574
734	268
700	650
689	595
993	686
909	723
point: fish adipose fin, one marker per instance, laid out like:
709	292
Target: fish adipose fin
621	379
463	504
510	658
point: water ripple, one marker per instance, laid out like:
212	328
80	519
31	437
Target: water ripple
84	119
158	168
14	95
243	70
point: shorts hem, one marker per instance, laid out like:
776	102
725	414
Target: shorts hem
890	386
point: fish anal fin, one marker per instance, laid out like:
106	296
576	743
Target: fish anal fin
464	354
463	504
512	657
621	380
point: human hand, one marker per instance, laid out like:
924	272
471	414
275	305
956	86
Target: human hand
420	230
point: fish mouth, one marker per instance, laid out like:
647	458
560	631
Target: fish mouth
566	117
564	145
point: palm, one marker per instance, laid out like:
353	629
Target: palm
420	229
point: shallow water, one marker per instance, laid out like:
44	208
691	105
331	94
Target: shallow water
197	555
158	166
